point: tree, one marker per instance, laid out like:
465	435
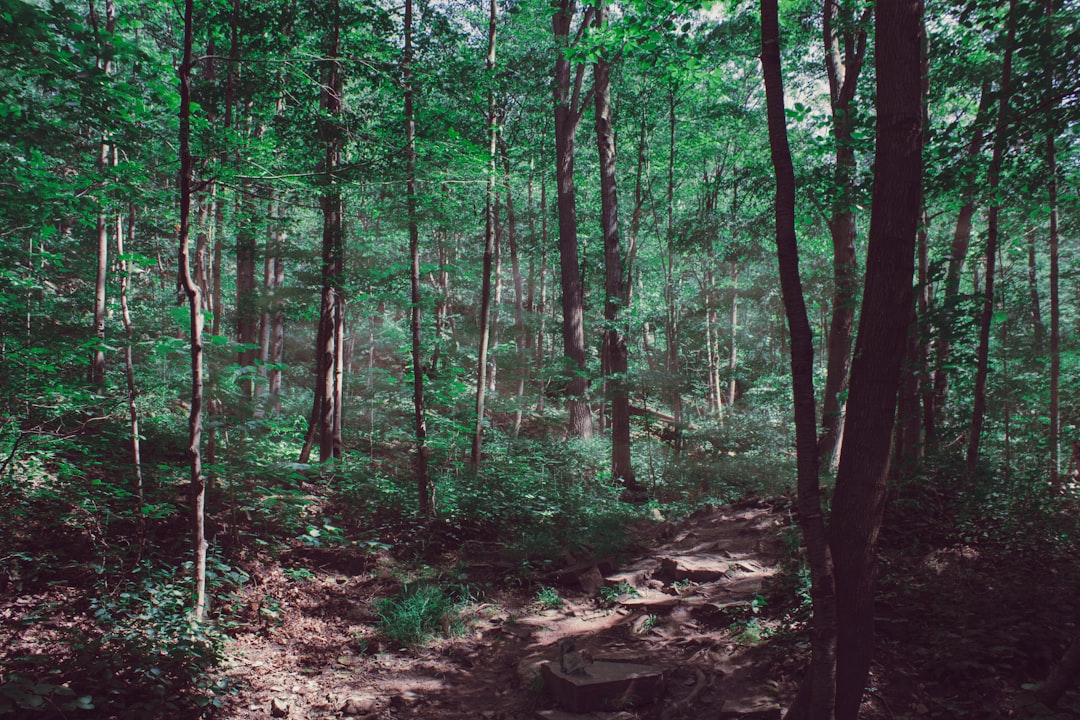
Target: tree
191	289
490	222
569	107
859	498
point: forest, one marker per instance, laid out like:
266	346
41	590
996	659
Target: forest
513	359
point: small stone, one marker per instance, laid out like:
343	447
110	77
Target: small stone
279	708
360	705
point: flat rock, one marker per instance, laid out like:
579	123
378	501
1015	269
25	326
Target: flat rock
360	705
649	600
749	710
604	685
701	568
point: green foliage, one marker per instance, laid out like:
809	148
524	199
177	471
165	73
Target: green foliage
549	598
418	613
610	594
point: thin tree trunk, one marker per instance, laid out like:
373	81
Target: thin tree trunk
490	214
1055	319
191	288
843	69
615	303
957	255
816	695
568	108
670	290
521	337
1037	326
733	355
97	358
425	489
129	361
332	261
978	412
859	497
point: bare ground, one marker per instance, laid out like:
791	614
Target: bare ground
309	649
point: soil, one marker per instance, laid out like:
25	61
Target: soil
688	605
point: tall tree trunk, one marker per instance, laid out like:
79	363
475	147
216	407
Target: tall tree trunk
859	498
1055	317
97	357
733	353
982	371
129	361
329	358
614	281
670	290
568	110
842	68
816	696
1037	326
191	288
957	255
521	334
425	489
491	218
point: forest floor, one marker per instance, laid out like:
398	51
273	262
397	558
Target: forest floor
688	605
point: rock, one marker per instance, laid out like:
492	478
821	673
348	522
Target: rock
360	705
752	709
604	685
279	708
591	581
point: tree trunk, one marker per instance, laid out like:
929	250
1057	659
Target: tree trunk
957	255
1055	319
614	281
859	498
129	362
191	288
521	336
733	353
97	357
816	696
425	489
982	371
843	69
567	117
490	214
330	320
670	290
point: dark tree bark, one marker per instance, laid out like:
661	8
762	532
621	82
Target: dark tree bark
489	245
816	696
859	498
424	487
568	108
978	412
191	289
843	67
615	300
1055	318
331	311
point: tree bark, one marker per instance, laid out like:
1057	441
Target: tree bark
859	498
615	300
568	103
424	487
129	361
489	245
330	316
816	696
1055	318
191	289
978	413
843	69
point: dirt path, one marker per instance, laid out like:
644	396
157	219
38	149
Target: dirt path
687	606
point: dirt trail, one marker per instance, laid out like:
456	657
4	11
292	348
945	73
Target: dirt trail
309	653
